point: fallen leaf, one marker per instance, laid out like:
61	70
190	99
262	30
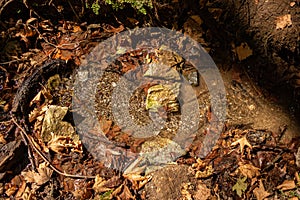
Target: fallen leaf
287	185
283	21
76	29
2	140
185	191
292	3
42	176
202	192
243	51
137	180
105	125
126	194
248	170
53	123
207	172
260	192
240	186
63	144
99	185
242	142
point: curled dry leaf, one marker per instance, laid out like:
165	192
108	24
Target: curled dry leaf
122	192
63	144
260	192
101	185
207	172
287	185
137	180
42	176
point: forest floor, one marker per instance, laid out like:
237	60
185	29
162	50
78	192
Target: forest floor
256	155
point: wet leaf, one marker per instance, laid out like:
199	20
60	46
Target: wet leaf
240	186
287	185
42	176
260	192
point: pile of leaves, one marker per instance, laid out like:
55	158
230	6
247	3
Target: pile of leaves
244	164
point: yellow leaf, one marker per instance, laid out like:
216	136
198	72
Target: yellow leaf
240	186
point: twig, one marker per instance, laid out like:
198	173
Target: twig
2	8
9	62
45	158
73	10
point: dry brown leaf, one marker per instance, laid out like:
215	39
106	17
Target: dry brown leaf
185	191
76	29
62	144
207	172
21	190
287	185
260	192
36	99
99	185
197	19
126	194
53	123
243	51
248	170
242	142
105	125
202	192
137	180
42	176
292	3
2	140
283	21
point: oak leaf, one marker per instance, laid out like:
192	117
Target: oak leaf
242	142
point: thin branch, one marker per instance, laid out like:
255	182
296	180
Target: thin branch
45	158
